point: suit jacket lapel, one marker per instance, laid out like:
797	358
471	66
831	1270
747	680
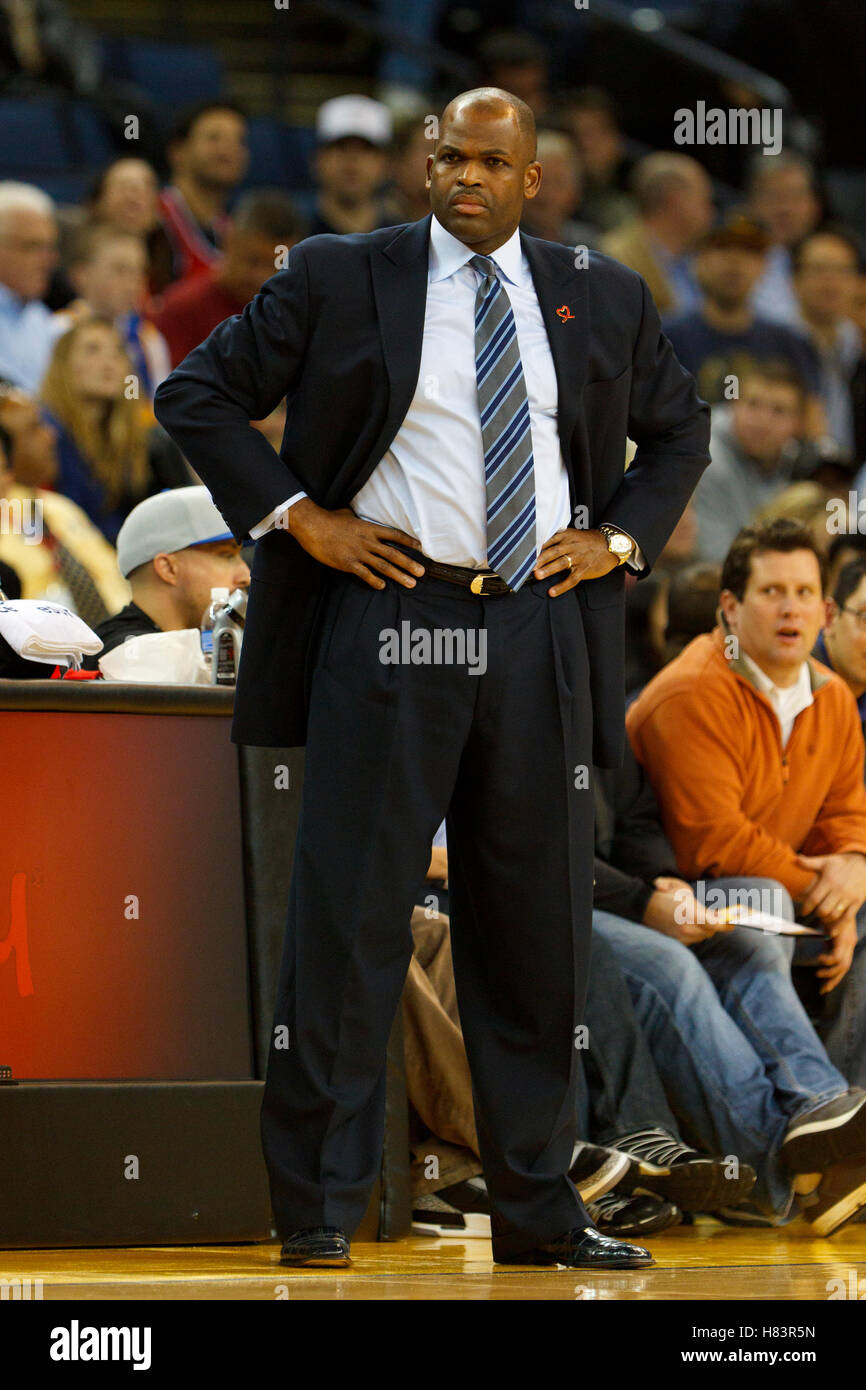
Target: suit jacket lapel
563	297
564	301
400	290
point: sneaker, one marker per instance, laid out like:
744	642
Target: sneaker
749	1215
432	1215
840	1196
834	1133
624	1214
471	1200
692	1181
595	1170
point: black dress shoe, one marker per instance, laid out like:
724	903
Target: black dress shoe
323	1246
583	1248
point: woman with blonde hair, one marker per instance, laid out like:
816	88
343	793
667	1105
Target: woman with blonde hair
111	452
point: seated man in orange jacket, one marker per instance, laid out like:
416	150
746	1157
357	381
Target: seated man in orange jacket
755	753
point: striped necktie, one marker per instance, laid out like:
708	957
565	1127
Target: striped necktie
87	600
508	464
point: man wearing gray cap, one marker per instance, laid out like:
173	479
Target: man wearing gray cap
353	134
173	548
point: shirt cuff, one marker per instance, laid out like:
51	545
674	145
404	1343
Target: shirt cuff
636	559
273	519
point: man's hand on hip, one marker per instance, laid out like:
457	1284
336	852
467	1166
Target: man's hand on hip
345	542
582	554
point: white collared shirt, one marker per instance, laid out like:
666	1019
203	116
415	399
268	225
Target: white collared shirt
788	701
430	483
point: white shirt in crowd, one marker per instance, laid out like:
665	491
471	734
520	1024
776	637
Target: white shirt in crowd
788	701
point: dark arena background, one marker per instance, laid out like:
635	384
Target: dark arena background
159	163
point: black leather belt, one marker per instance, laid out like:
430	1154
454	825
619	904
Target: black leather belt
480	582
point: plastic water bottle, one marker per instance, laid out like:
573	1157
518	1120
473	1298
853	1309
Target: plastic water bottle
228	634
219	597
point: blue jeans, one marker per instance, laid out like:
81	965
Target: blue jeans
620	1089
735	1049
840	1016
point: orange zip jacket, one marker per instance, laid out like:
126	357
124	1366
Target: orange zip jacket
733	802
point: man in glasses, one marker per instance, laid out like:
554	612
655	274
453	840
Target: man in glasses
842	644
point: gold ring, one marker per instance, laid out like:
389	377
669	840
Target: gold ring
570	561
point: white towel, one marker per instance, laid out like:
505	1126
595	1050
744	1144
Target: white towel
43	631
158	658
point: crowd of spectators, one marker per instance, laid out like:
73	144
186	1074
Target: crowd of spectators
746	646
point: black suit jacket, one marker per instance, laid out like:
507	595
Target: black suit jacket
339	333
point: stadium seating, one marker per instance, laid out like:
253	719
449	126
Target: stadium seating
172	74
279	154
56	144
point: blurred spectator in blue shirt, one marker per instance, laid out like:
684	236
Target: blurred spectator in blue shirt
784	198
28	253
722	339
826	265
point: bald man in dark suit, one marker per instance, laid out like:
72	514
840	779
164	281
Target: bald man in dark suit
436	610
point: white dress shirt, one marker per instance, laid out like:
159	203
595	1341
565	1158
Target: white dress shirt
788	701
430	483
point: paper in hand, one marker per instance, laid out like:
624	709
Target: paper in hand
744	916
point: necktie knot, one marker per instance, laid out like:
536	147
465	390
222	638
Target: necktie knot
485	266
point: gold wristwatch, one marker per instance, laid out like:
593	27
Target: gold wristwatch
618	543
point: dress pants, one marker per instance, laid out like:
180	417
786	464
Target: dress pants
622	1090
501	745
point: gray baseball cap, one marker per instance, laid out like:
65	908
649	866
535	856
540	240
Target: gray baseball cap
173	519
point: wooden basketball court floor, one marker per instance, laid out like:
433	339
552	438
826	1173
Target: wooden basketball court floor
705	1261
